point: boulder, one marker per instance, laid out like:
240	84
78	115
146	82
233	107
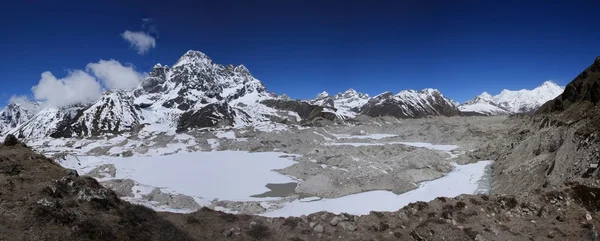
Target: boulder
11	140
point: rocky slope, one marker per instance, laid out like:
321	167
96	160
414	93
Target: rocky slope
512	102
558	144
43	201
410	103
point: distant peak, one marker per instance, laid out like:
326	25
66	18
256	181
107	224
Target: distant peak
485	95
350	91
549	83
241	68
430	91
195	53
284	97
384	95
322	95
505	91
407	92
160	66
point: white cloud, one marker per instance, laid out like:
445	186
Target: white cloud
77	87
114	75
140	41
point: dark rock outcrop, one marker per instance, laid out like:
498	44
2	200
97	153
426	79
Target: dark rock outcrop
305	110
584	89
212	115
10	140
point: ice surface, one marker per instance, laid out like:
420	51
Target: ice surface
463	180
446	148
430	146
226	175
370	136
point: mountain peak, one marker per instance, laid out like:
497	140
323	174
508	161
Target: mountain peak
350	91
384	95
485	96
284	97
549	84
193	57
195	53
241	68
322	95
430	91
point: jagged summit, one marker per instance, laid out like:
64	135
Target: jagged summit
549	83
385	94
193	58
485	96
323	94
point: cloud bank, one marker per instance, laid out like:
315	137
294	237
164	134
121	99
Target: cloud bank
77	87
114	75
140	41
81	86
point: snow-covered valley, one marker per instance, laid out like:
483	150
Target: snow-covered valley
329	169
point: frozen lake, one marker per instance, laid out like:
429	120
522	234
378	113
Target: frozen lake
224	175
244	176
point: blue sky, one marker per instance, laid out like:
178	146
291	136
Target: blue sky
303	47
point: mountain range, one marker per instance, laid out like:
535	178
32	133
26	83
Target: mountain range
511	102
197	93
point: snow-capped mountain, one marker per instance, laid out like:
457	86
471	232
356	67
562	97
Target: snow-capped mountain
195	82
197	93
511	102
346	104
410	103
193	93
323	99
16	114
46	122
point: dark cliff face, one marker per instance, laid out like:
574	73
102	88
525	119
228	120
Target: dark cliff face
584	89
212	115
305	110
